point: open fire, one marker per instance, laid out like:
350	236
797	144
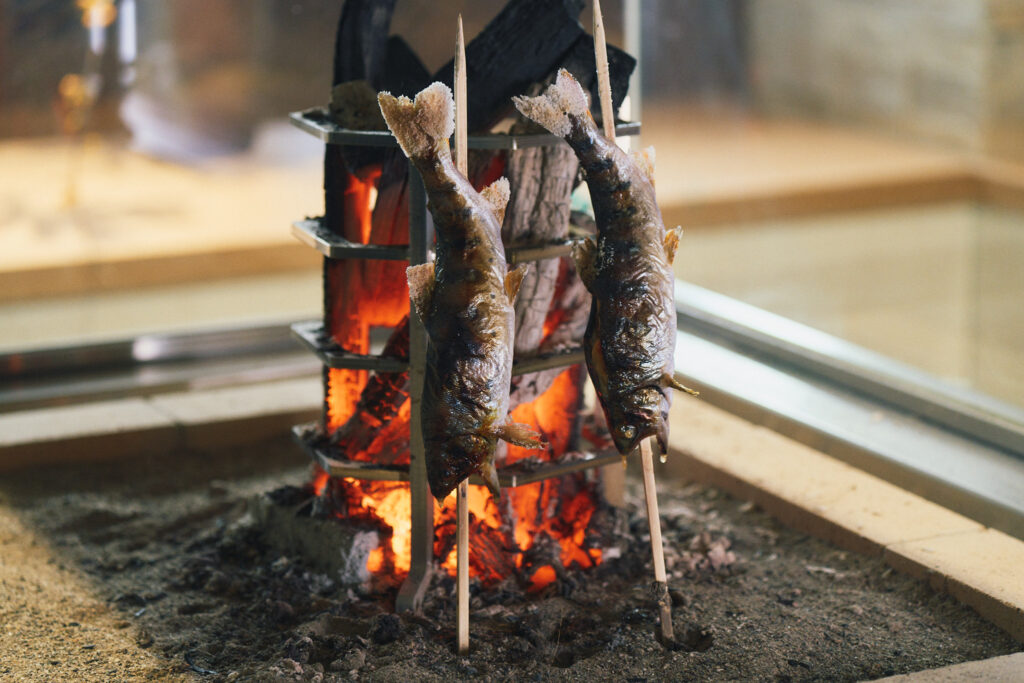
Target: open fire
537	529
533	527
369	418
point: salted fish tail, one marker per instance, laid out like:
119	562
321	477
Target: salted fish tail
561	104
422	125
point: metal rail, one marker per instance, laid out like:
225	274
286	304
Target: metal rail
510	476
317	122
313	232
766	335
410	594
312	335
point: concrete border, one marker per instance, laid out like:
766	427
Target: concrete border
827	498
105	430
800	486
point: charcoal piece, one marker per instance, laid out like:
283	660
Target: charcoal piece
379	404
385	628
403	73
354	105
359	54
360	49
581	63
521	46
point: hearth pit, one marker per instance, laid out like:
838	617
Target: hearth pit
369	467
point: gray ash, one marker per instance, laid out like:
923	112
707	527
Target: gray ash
184	564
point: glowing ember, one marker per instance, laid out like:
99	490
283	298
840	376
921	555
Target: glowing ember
501	536
393	508
533	527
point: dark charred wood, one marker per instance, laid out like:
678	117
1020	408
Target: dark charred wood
567	319
580	62
519	47
403	73
380	402
360	49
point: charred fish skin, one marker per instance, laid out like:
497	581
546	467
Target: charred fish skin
465	300
630	337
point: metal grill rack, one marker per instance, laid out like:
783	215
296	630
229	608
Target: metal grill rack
312	231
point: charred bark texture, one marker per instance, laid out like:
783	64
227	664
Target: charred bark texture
380	402
541	181
360	47
567	319
520	46
581	63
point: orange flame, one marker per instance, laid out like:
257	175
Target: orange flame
361	294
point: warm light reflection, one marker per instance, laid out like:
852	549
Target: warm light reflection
394	509
97	13
361	294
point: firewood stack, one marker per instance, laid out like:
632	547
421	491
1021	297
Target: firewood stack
367	233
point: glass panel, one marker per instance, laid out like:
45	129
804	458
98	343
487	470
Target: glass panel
149	170
150	173
857	167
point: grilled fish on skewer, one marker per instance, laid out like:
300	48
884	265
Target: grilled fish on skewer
464	299
630	337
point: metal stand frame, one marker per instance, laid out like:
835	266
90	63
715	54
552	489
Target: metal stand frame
313	336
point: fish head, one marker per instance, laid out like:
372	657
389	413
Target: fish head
638	415
457	458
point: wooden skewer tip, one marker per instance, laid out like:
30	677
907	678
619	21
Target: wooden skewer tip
461	133
462	565
461	501
657	549
603	78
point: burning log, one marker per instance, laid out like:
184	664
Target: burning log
380	402
541	181
519	47
374	292
565	321
367	201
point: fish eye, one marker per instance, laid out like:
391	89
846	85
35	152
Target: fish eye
627	432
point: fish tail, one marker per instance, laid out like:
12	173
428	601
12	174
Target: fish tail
556	108
423	125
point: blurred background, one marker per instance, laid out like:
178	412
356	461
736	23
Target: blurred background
854	166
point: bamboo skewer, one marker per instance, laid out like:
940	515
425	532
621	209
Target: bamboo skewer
604	84
461	500
461	134
657	550
462	560
646	446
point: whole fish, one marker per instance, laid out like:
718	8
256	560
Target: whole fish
465	300
630	339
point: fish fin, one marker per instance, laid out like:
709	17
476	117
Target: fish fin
585	255
489	473
421	287
514	280
422	125
670	381
662	436
644	160
672	242
497	194
519	434
552	109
